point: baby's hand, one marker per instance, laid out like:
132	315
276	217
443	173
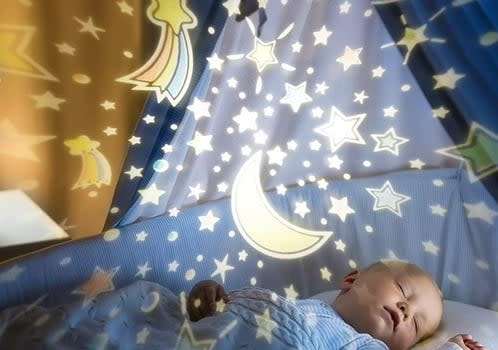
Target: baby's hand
466	342
202	299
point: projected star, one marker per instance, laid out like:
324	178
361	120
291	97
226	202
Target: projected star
480	211
89	27
350	57
221	268
142	336
187	341
295	96
208	221
325	273
124	7
47	100
335	162
151	194
134	172
107	105
243	255
448	79
390	111
416	164
388	141
196	191
141	236
430	247
99	282
11	274
360	97
322	36
110	131
65	48
378	72
344	7
479	152
135	140
201	143
290	292
440	112
265	326
301	209
172	266
143	269
215	62
149	119
386	198
437	210
232	7
246	120
340	245
340	207
200	109
262	54
173	13
342	129
276	156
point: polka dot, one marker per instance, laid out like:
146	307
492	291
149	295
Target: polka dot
454	278
306	164
179	167
40	321
405	88
197	302
253	281
92	194
312	178
111	234
215	90
272	172
438	182
269	97
368	13
284	2
190	274
352	264
172	236
127	54
65	261
488	39
199	258
229	130
367	163
114	210
160	165
260	264
369	229
216	169
301	182
242	95
211	30
482	264
346	176
174	126
323	221
231	233
81	78
310	70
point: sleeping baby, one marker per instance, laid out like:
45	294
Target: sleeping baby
390	305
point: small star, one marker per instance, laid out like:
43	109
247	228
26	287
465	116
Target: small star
246	150
215	62
322	36
360	96
281	189
296	47
125	8
196	191
276	156
143	269
134	172
246	120
134	140
317	112
326	274
265	325
430	247
315	145
437	210
390	111
448	79
208	221
110	131
89	27
268	111
339	245
388	141
440	112
350	57
200	109
378	72
301	209
322	184
108	105
335	162
11	274
65	48
142	336
295	96
290	292
416	164
480	211
151	194
225	157
201	143
260	137
221	268
149	119
173	212
64	225
172	266
344	7
232	82
232	7
387	198
222	187
340	207
141	236
47	100
167	148
243	255
292	145
321	88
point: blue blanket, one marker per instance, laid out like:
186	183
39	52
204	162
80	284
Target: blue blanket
145	315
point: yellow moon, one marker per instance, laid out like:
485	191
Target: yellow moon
155	300
261	226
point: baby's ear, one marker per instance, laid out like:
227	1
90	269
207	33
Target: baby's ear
348	280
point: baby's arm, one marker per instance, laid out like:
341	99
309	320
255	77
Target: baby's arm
463	341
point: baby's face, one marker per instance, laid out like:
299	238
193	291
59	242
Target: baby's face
398	305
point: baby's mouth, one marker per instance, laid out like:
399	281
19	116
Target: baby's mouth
394	317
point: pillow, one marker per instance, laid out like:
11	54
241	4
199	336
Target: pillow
481	323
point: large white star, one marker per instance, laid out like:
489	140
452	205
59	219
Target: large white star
200	108
386	198
208	221
221	268
322	36
342	129
262	54
448	79
480	211
215	62
350	57
340	207
151	194
265	326
246	120
201	143
388	141
295	96
134	172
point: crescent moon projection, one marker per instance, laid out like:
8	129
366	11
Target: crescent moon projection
155	300
261	226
